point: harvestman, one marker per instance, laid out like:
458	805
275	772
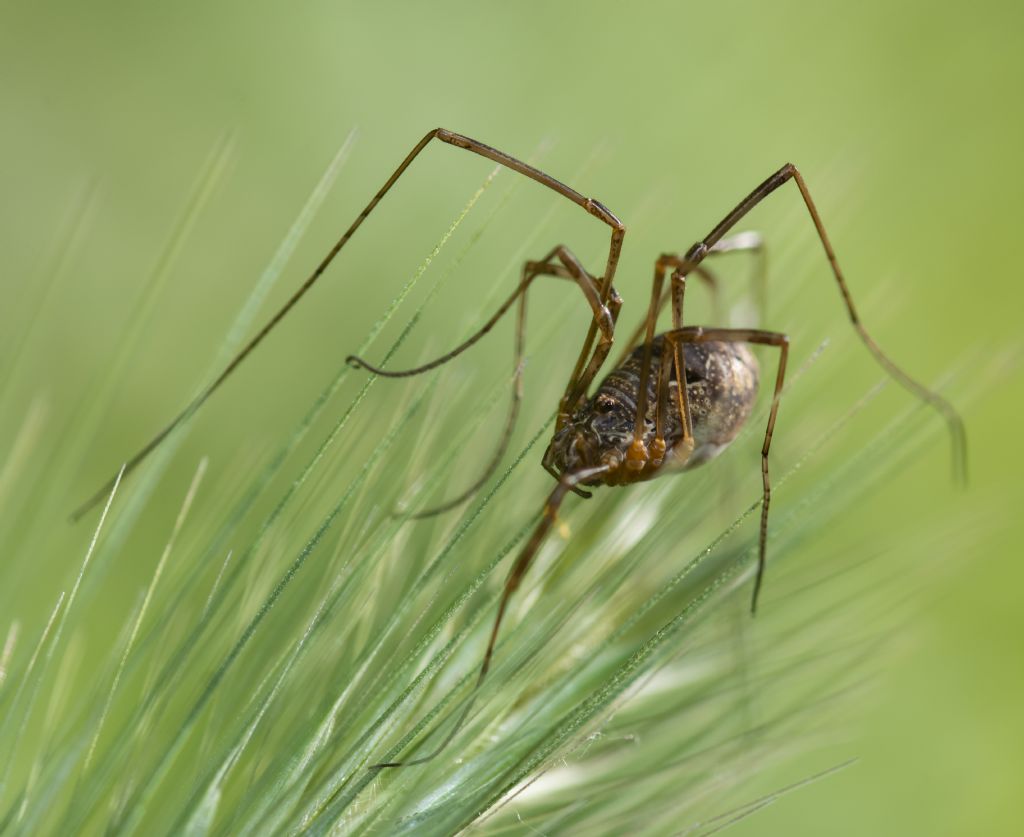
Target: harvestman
674	401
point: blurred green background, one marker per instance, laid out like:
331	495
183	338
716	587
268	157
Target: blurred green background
905	118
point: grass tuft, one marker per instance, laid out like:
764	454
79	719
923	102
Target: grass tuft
307	628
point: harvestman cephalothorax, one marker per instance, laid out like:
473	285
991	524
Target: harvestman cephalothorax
673	402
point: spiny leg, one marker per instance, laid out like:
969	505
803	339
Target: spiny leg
559	262
697	334
515	577
591	206
699	251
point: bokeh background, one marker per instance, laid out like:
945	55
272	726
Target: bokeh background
905	118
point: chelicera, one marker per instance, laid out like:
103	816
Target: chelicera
672	402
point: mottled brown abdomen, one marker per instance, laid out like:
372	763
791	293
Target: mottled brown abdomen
721	386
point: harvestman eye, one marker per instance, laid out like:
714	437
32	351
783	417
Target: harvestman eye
664	428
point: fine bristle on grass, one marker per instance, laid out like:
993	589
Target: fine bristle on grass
294	626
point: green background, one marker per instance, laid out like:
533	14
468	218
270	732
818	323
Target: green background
905	118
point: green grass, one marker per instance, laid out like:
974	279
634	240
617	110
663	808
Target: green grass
294	630
253	627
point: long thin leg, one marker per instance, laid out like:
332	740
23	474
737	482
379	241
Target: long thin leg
672	366
506	435
672	361
637	455
570	268
699	251
593	207
515	577
744	242
751	242
697	334
710	281
579	382
567	266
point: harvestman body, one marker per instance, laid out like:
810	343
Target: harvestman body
673	402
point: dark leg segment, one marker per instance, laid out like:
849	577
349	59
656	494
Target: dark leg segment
561	263
699	251
744	242
697	334
592	207
750	242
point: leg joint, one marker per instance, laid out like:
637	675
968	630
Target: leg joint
599	210
696	253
